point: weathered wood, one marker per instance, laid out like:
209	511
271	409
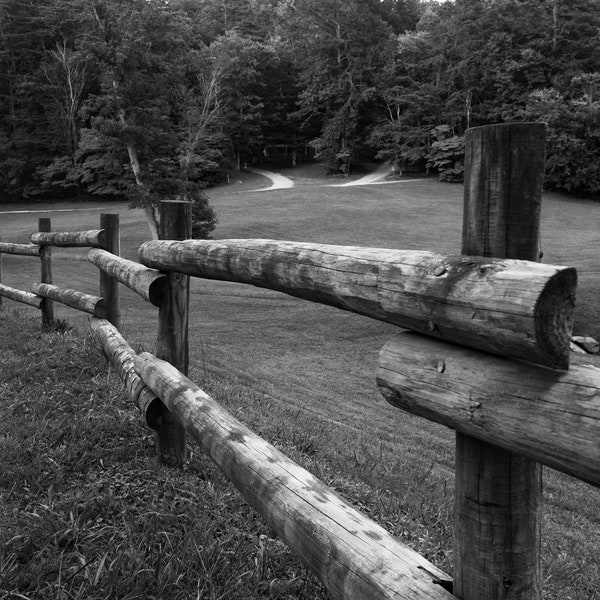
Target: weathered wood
355	558
550	416
20	296
93	305
109	287
498	494
120	354
20	249
44	227
150	284
95	238
512	308
172	342
504	176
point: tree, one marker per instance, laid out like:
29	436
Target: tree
142	47
338	47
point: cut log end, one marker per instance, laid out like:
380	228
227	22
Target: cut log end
554	314
157	291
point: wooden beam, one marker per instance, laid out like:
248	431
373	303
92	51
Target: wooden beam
354	557
44	227
95	238
550	416
498	493
109	287
20	249
20	296
172	342
507	307
120	354
94	305
150	284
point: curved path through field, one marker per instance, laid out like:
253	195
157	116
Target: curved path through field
279	182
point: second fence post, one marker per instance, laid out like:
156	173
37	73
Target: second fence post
172	344
45	225
109	287
498	494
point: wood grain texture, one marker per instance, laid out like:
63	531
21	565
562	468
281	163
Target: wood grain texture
109	287
120	355
498	493
172	342
20	249
20	296
93	305
507	307
150	284
44	227
355	558
550	416
95	238
504	176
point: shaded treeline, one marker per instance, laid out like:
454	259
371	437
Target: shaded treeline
156	99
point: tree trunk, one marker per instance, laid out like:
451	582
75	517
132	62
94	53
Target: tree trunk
137	174
148	208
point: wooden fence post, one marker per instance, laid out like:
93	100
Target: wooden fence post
498	493
172	343
109	287
44	226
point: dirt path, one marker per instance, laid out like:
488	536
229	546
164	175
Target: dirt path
279	182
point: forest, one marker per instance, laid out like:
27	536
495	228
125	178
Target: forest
150	99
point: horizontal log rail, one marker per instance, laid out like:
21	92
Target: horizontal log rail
121	355
150	284
20	249
95	238
93	305
355	557
512	308
547	415
20	296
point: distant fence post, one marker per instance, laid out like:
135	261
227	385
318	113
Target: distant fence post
172	343
109	287
498	494
45	226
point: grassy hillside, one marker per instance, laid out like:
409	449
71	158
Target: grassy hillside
300	374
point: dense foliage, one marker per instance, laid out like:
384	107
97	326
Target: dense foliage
156	98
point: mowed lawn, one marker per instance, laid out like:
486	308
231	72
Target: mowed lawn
315	365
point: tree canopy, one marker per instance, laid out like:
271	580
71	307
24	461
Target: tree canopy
148	99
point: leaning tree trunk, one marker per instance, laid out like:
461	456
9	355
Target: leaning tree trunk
137	174
148	208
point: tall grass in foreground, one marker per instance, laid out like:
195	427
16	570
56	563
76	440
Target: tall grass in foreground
86	512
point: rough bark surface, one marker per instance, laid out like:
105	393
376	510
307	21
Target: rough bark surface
355	558
20	296
95	238
550	416
19	249
93	305
121	355
508	307
150	284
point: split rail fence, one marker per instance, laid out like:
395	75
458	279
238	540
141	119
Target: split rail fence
490	359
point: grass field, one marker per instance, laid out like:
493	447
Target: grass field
302	375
